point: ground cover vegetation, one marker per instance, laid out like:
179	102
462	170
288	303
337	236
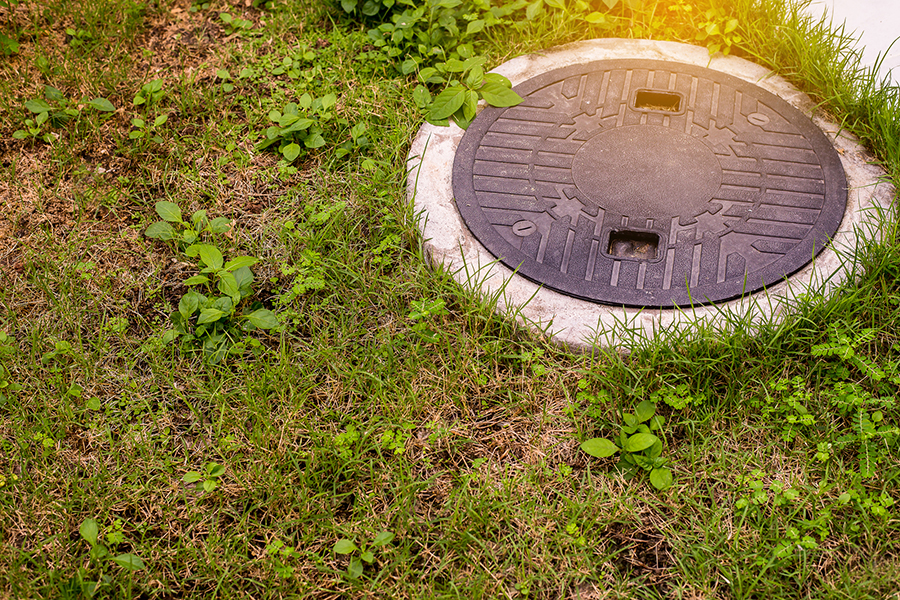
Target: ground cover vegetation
226	369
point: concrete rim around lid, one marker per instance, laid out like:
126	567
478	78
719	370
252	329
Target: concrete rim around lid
580	324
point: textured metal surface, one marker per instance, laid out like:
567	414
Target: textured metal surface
649	183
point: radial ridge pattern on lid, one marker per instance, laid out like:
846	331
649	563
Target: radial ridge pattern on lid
649	183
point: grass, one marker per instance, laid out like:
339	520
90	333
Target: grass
459	431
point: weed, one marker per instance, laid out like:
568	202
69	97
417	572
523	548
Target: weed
150	93
370	8
79	585
422	313
78	37
639	447
788	407
467	84
208	480
861	422
225	77
844	345
9	44
280	553
435	31
394	440
298	130
360	555
217	324
307	274
60	355
678	397
718	31
345	441
358	141
54	110
437	40
188	232
6	384
147	131
235	24
198	5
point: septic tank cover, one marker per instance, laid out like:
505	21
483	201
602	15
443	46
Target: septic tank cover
649	183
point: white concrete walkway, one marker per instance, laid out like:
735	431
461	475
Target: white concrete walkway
875	23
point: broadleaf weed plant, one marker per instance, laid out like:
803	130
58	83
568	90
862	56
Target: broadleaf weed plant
208	480
300	126
9	44
233	24
280	553
7	385
54	110
361	554
467	83
219	321
88	581
638	446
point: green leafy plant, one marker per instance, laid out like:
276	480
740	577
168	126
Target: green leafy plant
280	553
370	8
358	141
146	127
437	39
300	126
869	430
54	110
345	441
787	406
718	31
678	397
198	5
9	45
147	131
62	352
422	313
208	480
307	274
467	83
218	322
844	345
596	13
593	404
858	417
394	440
150	93
234	24
184	233
640	448
78	37
360	555
876	503
300	67
98	556
225	77
6	384
435	30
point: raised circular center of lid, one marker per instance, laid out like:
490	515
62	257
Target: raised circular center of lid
647	172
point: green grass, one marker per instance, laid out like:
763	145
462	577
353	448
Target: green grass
459	431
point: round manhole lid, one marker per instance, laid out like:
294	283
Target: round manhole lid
649	183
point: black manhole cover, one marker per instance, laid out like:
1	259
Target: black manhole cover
649	183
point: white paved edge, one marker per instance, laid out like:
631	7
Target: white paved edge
580	324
